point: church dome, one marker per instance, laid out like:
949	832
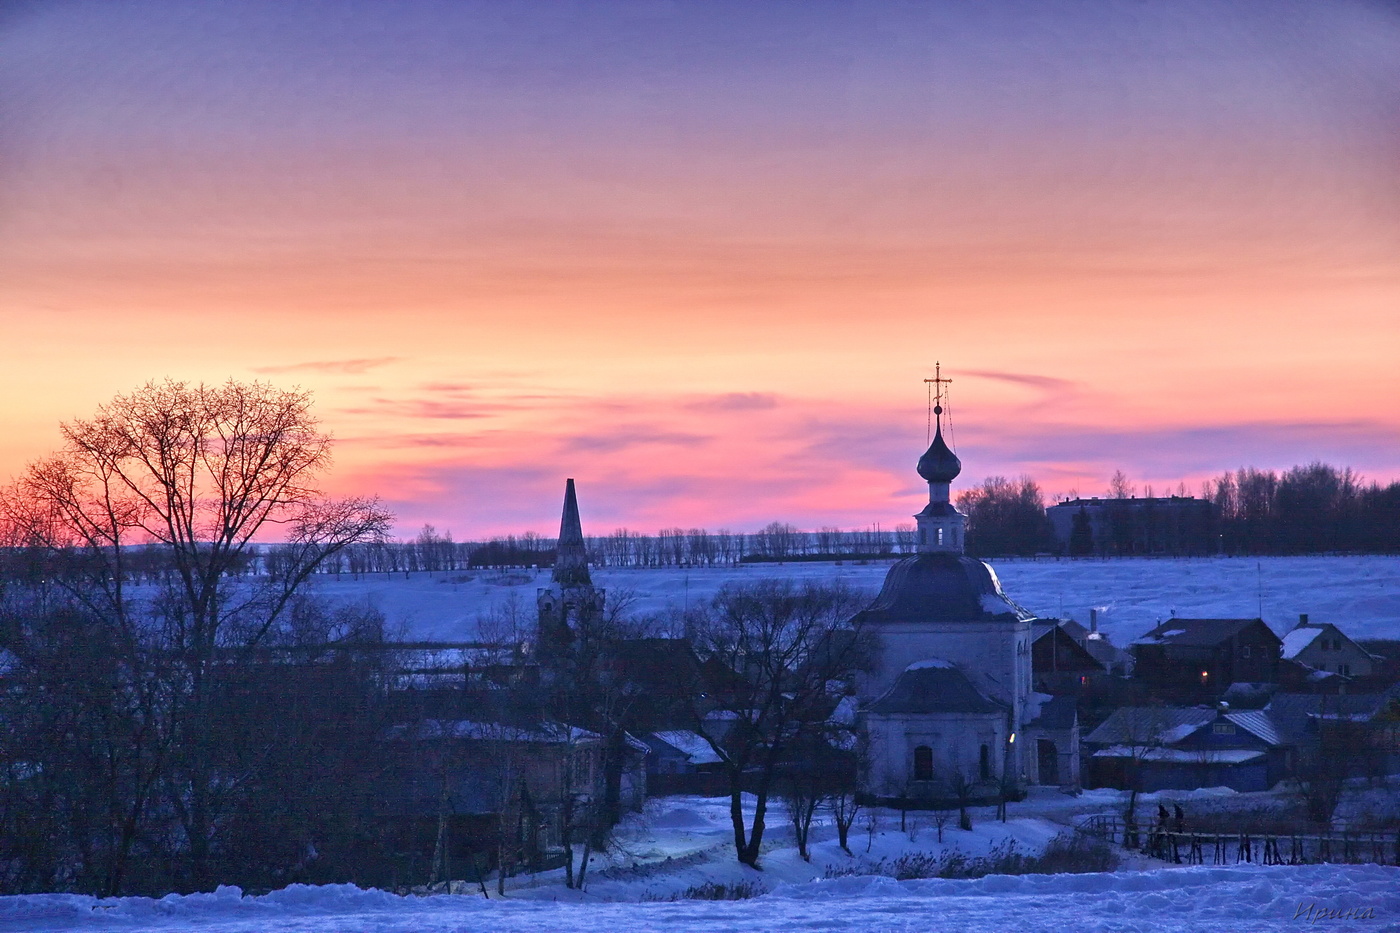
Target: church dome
941	587
939	464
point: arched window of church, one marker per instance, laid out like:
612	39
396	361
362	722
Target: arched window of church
940	537
985	763
923	763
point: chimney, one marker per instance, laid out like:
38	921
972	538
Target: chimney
1093	620
1302	618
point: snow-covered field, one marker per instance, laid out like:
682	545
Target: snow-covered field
1360	594
680	842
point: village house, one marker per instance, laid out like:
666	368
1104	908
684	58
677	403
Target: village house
1324	647
1199	658
1059	663
1174	748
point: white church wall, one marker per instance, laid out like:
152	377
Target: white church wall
995	655
954	738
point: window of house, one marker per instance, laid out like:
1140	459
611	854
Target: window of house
1244	652
1344	670
1224	728
923	763
985	763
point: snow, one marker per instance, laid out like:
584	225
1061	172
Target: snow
1295	641
1361	595
549	733
1241	899
696	749
680	842
928	663
1227	756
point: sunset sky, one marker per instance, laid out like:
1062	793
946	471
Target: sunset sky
700	255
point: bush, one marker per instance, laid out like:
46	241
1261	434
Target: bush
1067	853
718	891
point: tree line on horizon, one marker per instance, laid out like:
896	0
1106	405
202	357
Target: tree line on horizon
1313	509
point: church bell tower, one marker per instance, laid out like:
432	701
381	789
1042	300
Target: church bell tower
571	601
940	523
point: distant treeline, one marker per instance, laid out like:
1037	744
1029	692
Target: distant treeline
623	548
1310	509
1304	510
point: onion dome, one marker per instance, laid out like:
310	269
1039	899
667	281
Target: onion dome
939	464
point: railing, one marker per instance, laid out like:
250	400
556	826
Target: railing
1200	848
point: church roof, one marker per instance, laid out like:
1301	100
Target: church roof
939	464
940	586
934	687
571	557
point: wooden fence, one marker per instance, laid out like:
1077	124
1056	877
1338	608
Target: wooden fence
1202	848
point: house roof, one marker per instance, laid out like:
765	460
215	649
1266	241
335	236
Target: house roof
1200	633
1150	725
1056	713
1297	640
1167	725
1258	723
544	733
1295	715
1055	631
696	750
1187	756
934	686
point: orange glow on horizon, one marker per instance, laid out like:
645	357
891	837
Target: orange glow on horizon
701	261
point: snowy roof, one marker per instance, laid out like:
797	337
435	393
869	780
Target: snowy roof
934	690
1258	723
1212	756
545	733
943	587
1150	725
1299	639
1197	632
695	748
927	663
1295	715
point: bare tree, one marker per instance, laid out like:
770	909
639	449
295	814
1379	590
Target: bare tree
774	652
200	471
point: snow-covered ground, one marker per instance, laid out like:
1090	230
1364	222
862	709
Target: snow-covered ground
1360	594
680	842
1191	900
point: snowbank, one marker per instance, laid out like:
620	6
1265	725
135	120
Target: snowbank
1241	900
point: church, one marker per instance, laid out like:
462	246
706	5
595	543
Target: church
947	706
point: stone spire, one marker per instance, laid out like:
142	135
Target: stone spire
571	558
571	601
940	523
